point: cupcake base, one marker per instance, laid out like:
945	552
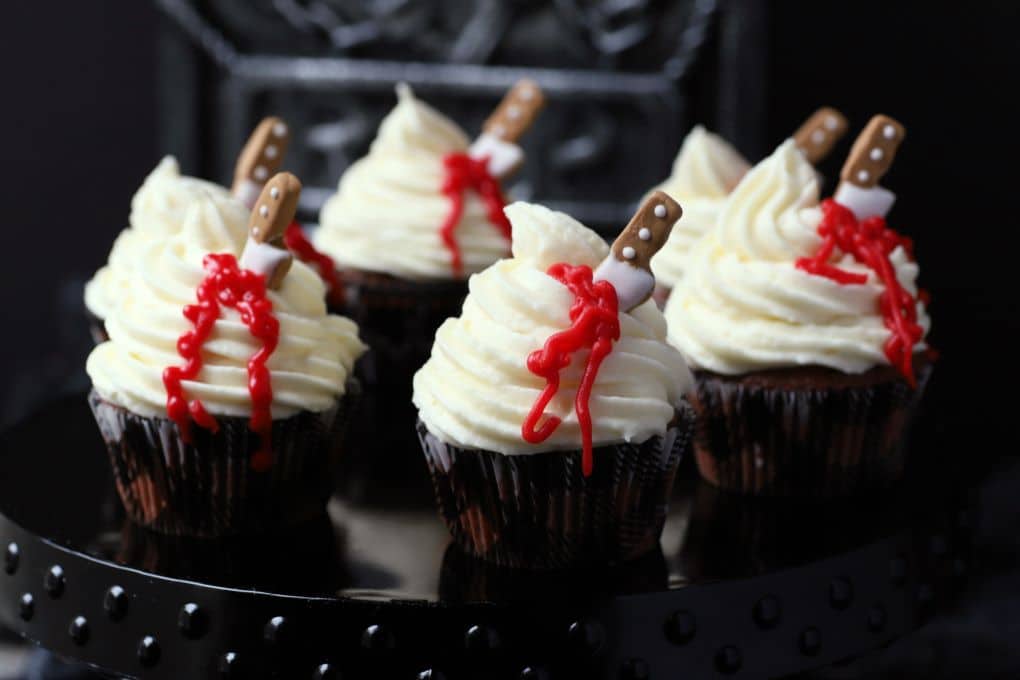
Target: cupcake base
807	432
540	512
207	487
397	318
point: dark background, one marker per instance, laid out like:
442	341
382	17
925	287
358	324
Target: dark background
80	118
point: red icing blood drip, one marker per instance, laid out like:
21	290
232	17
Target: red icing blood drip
595	324
244	290
296	241
870	242
462	173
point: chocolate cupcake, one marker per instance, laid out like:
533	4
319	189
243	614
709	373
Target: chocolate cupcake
224	390
805	329
157	215
551	410
407	226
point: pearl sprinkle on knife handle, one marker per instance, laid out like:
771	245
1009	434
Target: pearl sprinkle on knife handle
511	119
260	158
819	133
629	264
870	158
275	208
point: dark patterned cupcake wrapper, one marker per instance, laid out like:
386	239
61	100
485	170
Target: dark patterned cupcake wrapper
207	487
397	319
820	441
540	512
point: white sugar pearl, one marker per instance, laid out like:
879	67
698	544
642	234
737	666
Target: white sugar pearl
876	154
271	151
831	123
863	175
261	173
279	129
645	234
513	113
889	132
660	211
818	136
264	211
274	192
629	252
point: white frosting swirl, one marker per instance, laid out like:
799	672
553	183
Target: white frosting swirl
476	390
388	210
744	306
308	369
157	212
705	171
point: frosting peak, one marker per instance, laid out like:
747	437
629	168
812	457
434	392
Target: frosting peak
158	210
476	390
745	306
309	367
389	207
705	171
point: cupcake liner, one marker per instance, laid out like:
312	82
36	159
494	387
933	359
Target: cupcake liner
804	433
207	487
397	319
540	512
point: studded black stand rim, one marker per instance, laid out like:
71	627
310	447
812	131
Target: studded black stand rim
781	621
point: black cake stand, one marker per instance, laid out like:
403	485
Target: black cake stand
748	589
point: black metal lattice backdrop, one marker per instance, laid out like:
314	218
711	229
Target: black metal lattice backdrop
616	73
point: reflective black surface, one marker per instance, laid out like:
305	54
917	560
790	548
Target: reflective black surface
732	579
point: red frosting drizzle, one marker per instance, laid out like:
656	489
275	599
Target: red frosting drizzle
296	241
244	290
462	173
595	324
870	242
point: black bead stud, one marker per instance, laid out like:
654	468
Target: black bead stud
898	571
12	556
586	637
877	619
55	581
481	639
377	638
325	671
431	674
26	607
275	631
115	602
728	660
810	641
939	545
680	627
635	669
533	673
148	651
230	665
767	612
841	592
192	621
79	630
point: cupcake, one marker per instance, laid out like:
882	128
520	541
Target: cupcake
551	411
157	214
224	389
704	173
407	226
159	207
805	329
